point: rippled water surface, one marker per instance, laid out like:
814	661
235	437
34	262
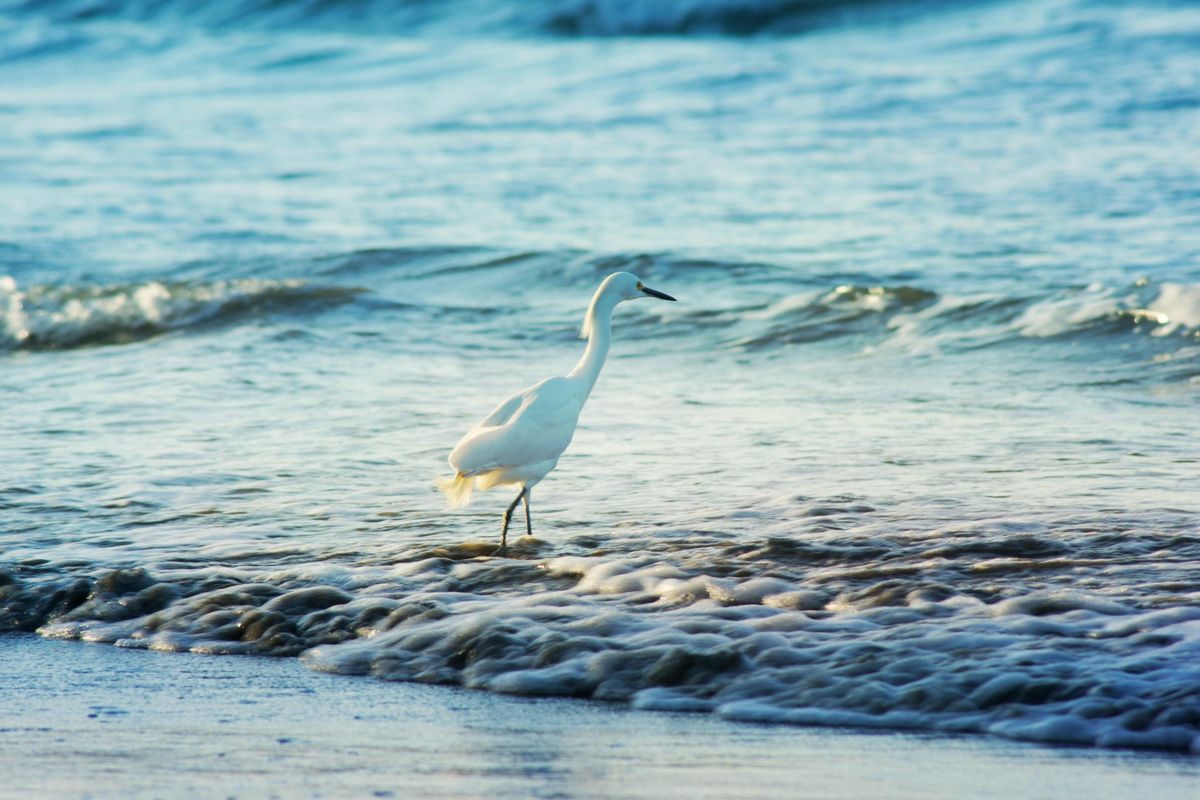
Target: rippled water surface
916	448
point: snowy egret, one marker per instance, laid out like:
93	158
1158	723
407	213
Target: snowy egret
523	438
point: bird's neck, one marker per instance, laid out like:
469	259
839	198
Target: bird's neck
597	326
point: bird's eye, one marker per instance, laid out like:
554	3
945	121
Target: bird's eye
640	286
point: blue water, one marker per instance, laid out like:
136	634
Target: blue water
916	448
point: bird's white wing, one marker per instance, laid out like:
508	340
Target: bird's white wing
503	412
538	429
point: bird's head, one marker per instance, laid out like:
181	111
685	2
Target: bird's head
627	286
617	288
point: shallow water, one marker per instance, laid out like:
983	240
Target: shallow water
917	448
135	724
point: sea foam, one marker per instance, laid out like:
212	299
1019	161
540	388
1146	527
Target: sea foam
800	646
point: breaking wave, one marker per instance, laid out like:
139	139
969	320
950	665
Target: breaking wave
49	317
741	306
756	306
919	318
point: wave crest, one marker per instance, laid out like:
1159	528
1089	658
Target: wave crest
841	311
59	317
917	321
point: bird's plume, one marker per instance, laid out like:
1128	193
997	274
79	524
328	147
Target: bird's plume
457	489
585	330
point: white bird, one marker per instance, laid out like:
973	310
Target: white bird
523	438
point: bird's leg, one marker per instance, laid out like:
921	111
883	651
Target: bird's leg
508	512
528	524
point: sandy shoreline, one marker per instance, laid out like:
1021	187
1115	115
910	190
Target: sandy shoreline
96	721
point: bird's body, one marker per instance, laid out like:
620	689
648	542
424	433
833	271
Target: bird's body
520	442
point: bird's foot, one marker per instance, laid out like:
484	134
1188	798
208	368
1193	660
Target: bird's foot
502	550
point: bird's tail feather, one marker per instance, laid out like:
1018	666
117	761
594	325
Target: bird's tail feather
457	489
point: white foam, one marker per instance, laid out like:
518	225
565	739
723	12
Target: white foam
1177	307
1048	664
1065	314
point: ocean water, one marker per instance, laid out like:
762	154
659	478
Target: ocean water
919	447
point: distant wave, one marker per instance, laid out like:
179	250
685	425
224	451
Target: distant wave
915	320
49	317
555	17
914	317
665	17
766	307
839	311
759	307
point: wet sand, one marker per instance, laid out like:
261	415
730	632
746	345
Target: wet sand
79	720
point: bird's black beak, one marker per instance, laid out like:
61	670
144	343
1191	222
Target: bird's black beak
658	294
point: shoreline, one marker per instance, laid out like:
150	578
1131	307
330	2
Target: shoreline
96	721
